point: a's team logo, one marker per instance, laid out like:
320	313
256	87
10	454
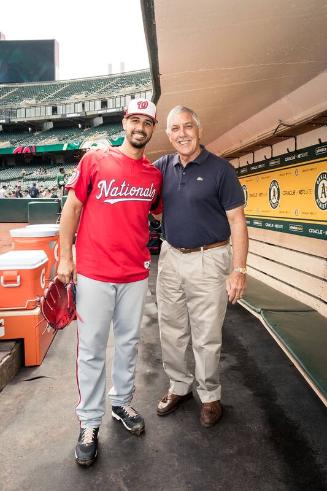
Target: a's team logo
142	104
114	192
274	194
73	178
245	191
147	264
321	191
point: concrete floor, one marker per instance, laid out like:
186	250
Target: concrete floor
5	238
273	435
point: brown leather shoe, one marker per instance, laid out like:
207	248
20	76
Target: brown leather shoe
170	403
211	412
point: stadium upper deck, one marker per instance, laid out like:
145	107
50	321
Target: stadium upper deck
67	111
59	135
64	90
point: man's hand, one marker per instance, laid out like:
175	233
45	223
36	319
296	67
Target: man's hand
235	286
236	281
66	271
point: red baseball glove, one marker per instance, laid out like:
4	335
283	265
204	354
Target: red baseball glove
58	305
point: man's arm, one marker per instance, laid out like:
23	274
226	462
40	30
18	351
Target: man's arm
158	164
68	226
236	281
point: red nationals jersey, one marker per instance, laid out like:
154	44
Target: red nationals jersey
117	193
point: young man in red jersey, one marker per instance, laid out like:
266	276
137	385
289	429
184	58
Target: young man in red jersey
110	196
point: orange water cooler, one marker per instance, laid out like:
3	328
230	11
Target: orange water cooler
22	283
44	237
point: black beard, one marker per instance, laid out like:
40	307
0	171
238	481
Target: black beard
138	145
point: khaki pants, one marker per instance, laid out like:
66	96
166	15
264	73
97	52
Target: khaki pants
192	301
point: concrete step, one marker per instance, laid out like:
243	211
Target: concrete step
11	360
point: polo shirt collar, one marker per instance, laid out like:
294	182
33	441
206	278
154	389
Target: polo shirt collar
199	159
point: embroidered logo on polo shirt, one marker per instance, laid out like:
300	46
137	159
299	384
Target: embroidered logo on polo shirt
199	178
124	192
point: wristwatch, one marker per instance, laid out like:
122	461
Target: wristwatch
240	270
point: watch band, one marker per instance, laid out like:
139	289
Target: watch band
240	270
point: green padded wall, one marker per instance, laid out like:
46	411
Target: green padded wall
63	201
14	210
43	212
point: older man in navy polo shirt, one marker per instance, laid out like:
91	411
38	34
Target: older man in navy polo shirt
197	272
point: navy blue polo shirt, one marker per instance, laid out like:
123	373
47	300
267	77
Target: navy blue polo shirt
196	198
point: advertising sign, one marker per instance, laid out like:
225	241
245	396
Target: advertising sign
288	193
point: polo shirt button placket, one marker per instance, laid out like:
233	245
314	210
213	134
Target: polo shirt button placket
182	178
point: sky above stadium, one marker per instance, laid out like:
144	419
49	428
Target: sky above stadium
91	34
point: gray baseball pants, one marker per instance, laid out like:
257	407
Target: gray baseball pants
98	303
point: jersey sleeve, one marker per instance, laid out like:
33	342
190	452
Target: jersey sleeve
81	179
230	190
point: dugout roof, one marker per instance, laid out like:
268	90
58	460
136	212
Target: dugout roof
244	66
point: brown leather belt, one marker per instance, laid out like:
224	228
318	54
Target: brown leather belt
187	250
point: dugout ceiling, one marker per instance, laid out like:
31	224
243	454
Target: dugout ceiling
231	59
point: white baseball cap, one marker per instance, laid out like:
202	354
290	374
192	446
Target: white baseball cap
143	107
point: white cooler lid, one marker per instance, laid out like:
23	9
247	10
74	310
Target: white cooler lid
48	226
22	259
33	232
